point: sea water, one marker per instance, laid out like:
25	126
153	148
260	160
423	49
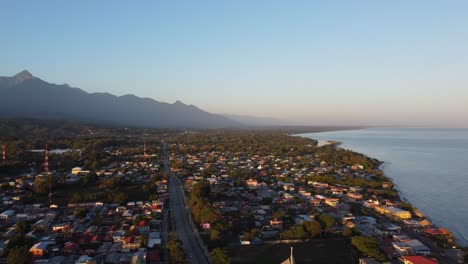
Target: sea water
429	167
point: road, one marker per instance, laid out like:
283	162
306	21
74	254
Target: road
443	257
436	250
180	218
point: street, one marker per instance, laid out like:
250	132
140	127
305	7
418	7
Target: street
180	218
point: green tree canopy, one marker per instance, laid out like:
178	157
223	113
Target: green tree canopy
176	252
313	228
368	246
220	256
19	255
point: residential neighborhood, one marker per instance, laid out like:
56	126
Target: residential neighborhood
89	231
286	192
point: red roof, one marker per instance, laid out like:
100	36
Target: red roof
72	247
419	260
436	231
153	256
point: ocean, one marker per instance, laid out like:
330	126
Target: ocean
428	166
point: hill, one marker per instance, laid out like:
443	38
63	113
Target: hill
26	96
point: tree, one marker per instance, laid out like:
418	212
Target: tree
41	185
22	227
19	255
153	197
295	232
20	240
138	219
278	215
176	253
215	234
82	212
266	200
201	189
347	232
220	256
369	246
121	198
313	228
326	221
89	178
209	215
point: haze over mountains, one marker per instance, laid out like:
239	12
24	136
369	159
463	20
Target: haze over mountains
24	95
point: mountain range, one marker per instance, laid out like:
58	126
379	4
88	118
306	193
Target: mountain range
26	96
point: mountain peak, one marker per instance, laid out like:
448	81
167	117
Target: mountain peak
178	103
23	76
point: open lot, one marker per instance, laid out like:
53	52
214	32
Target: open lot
316	251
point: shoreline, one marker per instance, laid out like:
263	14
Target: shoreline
459	238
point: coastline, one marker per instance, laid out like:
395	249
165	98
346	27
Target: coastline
460	240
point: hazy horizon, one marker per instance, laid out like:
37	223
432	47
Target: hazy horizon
362	63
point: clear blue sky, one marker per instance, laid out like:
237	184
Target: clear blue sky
310	62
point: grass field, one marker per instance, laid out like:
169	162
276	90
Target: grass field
328	251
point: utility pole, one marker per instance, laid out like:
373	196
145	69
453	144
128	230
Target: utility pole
4	153
460	255
46	159
46	169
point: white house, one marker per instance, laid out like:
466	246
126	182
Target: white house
76	170
7	214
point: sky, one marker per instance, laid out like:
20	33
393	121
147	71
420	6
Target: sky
305	62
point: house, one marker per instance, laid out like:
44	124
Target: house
388	229
252	183
72	248
276	224
118	236
368	261
417	247
393	212
355	196
42	224
154	238
143	227
7	214
85	259
402	248
366	220
76	170
331	201
418	260
39	249
398	213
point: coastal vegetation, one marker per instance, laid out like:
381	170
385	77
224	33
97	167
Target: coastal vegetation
369	246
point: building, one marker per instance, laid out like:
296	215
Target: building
398	213
7	214
393	212
39	249
417	260
368	261
76	170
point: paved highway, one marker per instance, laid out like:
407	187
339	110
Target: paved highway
180	218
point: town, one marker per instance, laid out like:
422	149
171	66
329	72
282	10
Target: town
245	197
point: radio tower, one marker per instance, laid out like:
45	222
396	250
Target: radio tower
4	153
46	168
46	162
144	150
